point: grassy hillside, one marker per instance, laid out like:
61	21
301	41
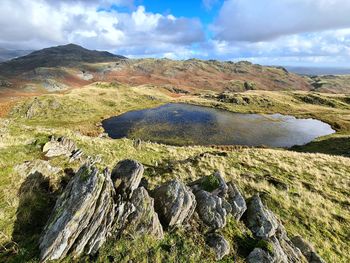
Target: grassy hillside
307	191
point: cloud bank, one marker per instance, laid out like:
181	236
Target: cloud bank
264	31
30	24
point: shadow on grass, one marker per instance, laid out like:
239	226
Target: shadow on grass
332	145
36	201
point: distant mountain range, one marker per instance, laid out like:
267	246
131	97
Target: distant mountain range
6	54
72	66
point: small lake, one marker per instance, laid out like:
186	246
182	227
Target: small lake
185	124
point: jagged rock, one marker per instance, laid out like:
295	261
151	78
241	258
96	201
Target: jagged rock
127	175
212	210
143	219
307	250
236	200
58	147
284	248
222	189
82	217
259	255
137	144
219	244
174	202
284	251
76	154
34	108
40	166
260	220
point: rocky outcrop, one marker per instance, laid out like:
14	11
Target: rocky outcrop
82	217
236	200
307	250
219	244
174	203
59	146
264	225
98	205
260	221
212	210
143	220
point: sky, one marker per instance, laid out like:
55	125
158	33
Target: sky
268	32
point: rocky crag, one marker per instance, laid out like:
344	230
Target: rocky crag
100	205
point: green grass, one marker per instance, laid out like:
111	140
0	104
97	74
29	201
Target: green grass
315	204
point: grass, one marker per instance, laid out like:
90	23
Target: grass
315	204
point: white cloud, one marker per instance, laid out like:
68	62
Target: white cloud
41	23
260	20
208	4
323	48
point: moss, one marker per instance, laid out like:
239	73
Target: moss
266	245
210	183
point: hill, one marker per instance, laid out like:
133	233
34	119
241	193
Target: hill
66	67
60	56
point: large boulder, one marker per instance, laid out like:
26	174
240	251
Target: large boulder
260	220
82	217
59	147
219	244
307	250
143	220
36	166
212	210
127	175
174	202
236	200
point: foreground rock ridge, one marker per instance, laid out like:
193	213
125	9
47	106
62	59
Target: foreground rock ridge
98	206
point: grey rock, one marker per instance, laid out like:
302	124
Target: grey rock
259	255
76	155
284	248
307	250
143	219
236	200
59	147
174	202
219	244
211	209
260	220
40	166
82	217
285	251
222	189
127	175
34	109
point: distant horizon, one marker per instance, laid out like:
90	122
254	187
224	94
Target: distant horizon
298	69
266	32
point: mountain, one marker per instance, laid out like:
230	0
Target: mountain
60	56
6	54
71	66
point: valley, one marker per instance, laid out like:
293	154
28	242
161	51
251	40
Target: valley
305	186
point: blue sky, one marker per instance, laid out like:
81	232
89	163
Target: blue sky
270	32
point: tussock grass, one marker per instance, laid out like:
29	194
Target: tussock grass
307	191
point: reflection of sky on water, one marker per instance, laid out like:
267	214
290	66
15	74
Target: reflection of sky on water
203	125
